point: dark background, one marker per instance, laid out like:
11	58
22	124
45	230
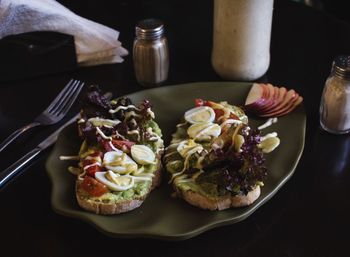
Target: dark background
308	217
336	8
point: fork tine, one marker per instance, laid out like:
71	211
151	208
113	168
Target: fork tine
60	106
60	96
71	99
64	97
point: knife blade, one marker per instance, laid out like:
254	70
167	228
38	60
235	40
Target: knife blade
53	137
17	167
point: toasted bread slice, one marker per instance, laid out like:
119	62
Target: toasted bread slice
218	203
120	154
115	207
215	160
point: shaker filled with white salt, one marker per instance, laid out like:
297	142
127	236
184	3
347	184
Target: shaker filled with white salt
335	101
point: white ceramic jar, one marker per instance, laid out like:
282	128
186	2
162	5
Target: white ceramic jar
241	38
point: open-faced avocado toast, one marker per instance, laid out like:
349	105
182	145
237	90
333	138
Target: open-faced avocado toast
215	160
119	159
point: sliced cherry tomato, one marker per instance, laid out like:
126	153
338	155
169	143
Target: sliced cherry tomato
93	187
106	145
210	103
123	144
234	116
87	162
93	169
218	113
199	102
96	154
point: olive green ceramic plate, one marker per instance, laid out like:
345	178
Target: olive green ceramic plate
162	216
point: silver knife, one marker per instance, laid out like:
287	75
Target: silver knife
16	168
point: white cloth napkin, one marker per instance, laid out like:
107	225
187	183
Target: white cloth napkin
94	43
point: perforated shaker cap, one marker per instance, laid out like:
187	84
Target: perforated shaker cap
149	29
341	66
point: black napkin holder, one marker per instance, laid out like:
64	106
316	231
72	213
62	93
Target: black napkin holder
36	53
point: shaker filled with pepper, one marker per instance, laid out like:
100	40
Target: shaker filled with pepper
335	101
150	53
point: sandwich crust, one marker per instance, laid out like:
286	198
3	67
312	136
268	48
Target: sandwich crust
218	203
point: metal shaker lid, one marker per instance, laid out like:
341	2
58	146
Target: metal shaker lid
149	29
341	66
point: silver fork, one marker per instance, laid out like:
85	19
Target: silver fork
53	113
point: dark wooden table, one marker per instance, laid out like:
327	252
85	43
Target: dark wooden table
309	216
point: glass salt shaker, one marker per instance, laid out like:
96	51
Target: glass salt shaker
335	101
150	53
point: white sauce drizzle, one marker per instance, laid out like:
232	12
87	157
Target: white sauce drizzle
124	108
113	147
95	158
134	132
82	175
268	123
131	114
154	136
67	158
181	124
91	165
119	135
203	131
196	149
181	179
230	121
150	113
99	131
226	113
96	121
170	154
